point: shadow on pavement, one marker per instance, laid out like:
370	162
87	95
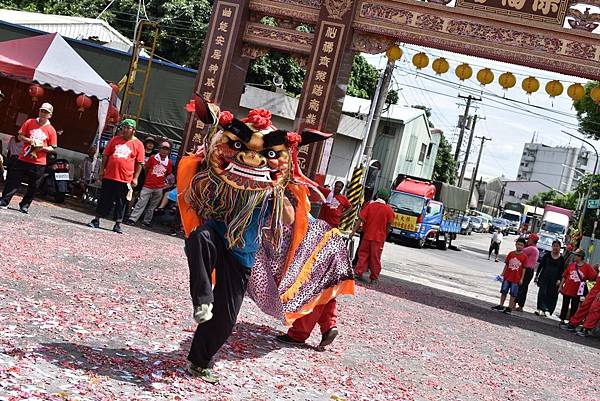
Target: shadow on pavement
146	369
474	308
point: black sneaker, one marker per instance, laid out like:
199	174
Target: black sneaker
205	374
568	327
584	333
94	223
507	310
498	307
148	225
3	204
24	209
129	222
284	338
117	228
328	337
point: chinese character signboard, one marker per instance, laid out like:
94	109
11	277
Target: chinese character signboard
331	36
549	11
217	54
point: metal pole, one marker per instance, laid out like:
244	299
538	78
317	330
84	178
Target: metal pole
379	103
358	158
462	127
483	139
463	168
589	188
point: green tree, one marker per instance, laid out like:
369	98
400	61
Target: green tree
445	165
588	113
183	23
363	81
262	71
540	200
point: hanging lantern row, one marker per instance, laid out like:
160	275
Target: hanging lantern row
506	80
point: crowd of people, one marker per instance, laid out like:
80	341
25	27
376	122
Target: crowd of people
134	178
556	273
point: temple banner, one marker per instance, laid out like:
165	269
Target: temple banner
548	11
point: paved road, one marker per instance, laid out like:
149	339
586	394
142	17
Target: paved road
92	315
464	270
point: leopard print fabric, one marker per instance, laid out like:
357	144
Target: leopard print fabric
267	282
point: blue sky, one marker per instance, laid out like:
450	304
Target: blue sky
507	122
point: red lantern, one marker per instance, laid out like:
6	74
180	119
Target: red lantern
83	103
36	92
113	115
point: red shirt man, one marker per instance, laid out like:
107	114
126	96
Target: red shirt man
157	170
335	204
122	163
38	138
376	219
122	155
41	135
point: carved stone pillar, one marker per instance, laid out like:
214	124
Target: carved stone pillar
222	70
331	39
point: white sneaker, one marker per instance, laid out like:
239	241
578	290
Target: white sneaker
547	314
203	313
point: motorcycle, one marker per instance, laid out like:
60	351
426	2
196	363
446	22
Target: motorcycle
56	179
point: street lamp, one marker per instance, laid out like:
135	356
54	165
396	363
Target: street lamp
589	189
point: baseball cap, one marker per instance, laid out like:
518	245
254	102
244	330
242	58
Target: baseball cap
129	123
534	237
47	107
165	144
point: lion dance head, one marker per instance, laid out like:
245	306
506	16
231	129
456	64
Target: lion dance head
249	163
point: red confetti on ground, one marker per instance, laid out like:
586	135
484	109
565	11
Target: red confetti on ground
91	315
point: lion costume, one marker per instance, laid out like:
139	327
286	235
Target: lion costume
234	195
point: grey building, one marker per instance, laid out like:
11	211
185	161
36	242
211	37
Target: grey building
522	191
558	167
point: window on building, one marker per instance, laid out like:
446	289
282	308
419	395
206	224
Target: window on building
511	193
429	150
422	153
388	131
525	196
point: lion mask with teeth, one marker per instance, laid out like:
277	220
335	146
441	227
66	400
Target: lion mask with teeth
248	164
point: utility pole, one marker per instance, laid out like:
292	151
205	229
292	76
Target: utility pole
462	126
463	168
472	188
374	117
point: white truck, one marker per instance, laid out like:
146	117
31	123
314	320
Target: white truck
555	222
554	226
514	219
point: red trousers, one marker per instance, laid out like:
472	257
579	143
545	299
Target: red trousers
325	315
369	258
589	311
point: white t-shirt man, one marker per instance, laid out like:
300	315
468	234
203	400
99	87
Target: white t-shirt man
497	237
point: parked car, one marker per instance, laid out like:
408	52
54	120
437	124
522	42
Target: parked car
501	224
466	227
477	224
485	224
